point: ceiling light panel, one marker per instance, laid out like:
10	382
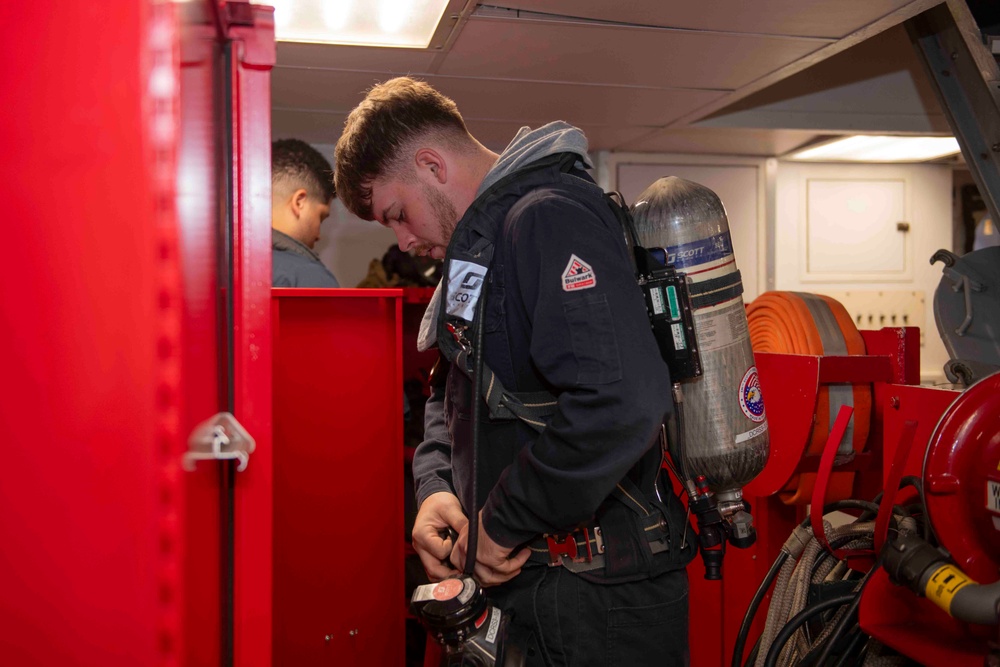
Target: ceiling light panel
865	148
392	23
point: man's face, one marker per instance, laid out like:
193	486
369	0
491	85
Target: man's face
314	212
420	215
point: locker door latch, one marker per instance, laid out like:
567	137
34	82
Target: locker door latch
219	438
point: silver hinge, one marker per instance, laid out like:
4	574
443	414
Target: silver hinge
219	438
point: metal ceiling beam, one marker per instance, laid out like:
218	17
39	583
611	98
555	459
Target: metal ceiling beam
967	81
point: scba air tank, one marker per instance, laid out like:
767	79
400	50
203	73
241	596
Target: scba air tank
725	436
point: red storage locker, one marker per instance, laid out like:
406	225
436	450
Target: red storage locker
338	477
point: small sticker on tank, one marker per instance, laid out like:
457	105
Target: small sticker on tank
675	311
751	434
656	297
678	333
751	399
701	251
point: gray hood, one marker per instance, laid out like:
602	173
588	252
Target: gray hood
526	147
529	145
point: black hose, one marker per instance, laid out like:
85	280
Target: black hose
477	375
675	444
752	658
918	484
765	585
802	617
846	620
871	514
855	642
850	504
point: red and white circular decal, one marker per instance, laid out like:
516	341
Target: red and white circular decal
448	589
751	399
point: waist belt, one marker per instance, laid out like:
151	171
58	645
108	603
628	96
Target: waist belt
583	549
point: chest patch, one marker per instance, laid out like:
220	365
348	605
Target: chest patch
578	275
465	283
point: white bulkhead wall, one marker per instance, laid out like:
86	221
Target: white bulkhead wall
927	209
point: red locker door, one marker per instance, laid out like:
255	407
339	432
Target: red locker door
134	290
92	381
223	198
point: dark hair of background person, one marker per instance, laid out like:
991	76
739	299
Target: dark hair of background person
295	164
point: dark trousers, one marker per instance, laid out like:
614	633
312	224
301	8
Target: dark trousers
559	618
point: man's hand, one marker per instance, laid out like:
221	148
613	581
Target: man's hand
494	563
439	512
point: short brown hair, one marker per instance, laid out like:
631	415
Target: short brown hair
392	114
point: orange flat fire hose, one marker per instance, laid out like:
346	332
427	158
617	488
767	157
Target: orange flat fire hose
813	324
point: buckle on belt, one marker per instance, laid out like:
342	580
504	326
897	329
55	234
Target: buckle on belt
567	547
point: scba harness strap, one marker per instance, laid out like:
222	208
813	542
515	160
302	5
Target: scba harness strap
466	282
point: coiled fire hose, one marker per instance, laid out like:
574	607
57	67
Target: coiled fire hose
813	324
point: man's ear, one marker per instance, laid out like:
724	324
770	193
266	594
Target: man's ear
431	164
298	201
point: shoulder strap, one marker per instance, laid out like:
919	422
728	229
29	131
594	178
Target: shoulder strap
533	408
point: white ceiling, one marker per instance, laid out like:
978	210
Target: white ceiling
736	77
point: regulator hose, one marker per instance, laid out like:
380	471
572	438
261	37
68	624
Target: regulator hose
477	374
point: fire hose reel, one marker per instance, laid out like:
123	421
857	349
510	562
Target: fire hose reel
961	479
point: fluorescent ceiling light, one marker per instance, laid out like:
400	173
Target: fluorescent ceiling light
396	23
865	148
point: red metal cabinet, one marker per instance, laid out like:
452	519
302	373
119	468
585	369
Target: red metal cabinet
338	478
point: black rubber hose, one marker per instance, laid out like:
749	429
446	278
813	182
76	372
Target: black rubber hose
477	375
765	585
918	484
675	448
851	504
874	511
752	658
853	646
847	619
798	620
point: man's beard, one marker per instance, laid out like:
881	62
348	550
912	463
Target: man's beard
445	214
